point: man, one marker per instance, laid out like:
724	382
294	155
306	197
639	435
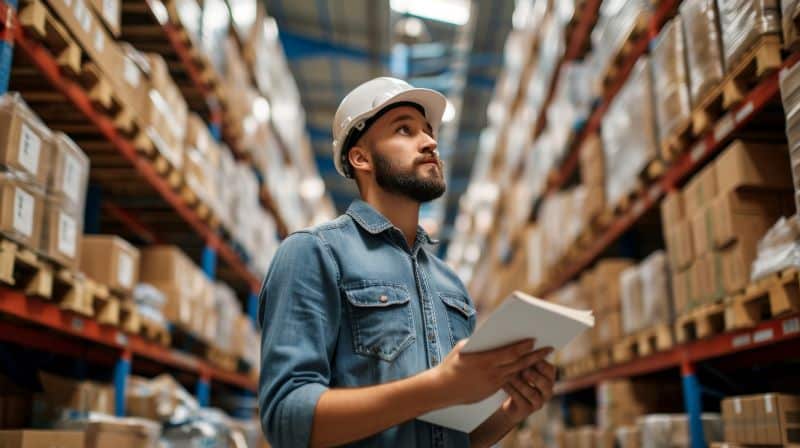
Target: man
361	323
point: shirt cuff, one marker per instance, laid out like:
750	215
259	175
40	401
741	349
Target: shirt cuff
296	415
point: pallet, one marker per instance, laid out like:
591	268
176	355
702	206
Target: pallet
765	299
154	331
700	323
763	58
677	141
652	171
644	343
22	269
626	202
603	357
185	340
129	318
38	23
105	306
636	32
580	367
163	167
69	291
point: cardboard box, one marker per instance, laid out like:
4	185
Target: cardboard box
174	274
681	290
201	163
781	419
122	433
81	396
36	438
608	328
745	214
21	210
69	174
111	261
132	73
25	143
110	11
672	209
607	287
756	165
702	229
166	112
684	245
592	162
737	262
711	284
62	231
153	399
700	190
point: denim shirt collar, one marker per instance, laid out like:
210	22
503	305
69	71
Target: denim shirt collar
374	222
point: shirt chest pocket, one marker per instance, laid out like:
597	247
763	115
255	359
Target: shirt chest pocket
460	315
382	320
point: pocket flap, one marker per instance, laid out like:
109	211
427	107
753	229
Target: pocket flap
377	295
459	302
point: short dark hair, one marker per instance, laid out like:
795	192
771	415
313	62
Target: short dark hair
355	134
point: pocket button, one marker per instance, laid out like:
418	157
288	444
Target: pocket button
383	299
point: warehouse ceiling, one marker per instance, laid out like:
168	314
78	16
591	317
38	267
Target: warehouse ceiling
334	45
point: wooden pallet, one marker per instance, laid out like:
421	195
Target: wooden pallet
763	58
652	171
69	291
145	146
129	318
41	25
626	202
637	31
644	343
22	269
603	357
765	299
580	367
677	141
154	331
701	322
105	306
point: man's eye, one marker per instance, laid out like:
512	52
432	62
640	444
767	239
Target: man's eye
405	130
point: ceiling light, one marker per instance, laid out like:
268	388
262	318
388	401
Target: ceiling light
455	12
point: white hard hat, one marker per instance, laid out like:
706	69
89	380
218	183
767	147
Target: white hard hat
371	97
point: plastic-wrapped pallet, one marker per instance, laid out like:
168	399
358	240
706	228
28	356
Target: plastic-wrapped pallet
228	311
150	302
617	20
672	430
778	249
214	25
789	10
790	97
743	22
703	46
628	133
656	294
670	80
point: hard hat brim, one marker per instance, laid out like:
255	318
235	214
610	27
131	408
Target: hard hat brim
433	102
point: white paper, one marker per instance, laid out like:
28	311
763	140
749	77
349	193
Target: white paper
71	179
131	71
99	40
125	270
30	146
110	11
67	234
24	206
768	403
519	317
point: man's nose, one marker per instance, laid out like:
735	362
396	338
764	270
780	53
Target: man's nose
429	144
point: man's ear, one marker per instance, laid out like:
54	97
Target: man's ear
359	158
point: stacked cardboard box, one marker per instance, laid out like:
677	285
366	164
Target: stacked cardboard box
164	115
646	299
620	402
592	163
703	47
670	80
713	226
571	296
764	419
110	261
39	438
75	396
789	10
201	163
603	286
790	97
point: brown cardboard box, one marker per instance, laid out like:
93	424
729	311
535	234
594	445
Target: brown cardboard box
752	164
202	159
132	72
25	143
737	262
595	203
166	113
607	287
122	433
628	437
82	396
745	214
110	11
111	261
697	272
684	244
700	190
672	209
781	418
592	162
21	209
681	290
36	438
173	273
702	228
62	230
609	328
153	399
709	277
69	174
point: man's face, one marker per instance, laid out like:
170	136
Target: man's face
404	155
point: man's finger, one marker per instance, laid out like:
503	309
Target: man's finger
525	361
547	369
541	382
532	396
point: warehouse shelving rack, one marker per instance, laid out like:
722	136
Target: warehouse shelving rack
42	325
770	340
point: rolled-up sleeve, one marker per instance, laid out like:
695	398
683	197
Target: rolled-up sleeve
300	314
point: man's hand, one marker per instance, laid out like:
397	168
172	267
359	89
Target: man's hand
528	391
471	377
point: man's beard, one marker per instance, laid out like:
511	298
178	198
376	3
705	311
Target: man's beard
408	183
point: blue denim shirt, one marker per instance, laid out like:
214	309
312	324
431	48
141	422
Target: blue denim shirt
349	304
